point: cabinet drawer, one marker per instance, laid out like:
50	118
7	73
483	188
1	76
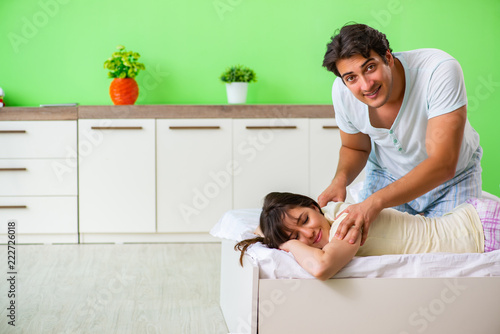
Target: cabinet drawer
40	214
38	177
38	139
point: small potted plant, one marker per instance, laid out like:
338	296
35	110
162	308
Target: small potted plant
237	79
123	66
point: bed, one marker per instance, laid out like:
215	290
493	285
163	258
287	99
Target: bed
402	294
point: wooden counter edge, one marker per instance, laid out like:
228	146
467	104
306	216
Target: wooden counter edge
38	113
167	112
208	111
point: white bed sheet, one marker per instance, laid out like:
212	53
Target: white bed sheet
237	225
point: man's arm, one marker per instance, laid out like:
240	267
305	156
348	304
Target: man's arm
443	141
353	155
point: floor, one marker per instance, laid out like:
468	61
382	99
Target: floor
130	288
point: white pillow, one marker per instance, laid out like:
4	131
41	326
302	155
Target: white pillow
237	225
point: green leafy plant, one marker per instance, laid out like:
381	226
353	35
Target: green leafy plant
123	64
238	73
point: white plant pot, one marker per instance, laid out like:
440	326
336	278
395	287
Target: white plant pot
236	92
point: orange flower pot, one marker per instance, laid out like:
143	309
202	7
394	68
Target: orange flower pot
123	91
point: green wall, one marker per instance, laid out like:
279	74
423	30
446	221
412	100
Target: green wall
53	50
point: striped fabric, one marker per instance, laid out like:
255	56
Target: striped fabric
438	201
489	213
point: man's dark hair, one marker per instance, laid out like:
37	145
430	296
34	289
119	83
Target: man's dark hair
354	39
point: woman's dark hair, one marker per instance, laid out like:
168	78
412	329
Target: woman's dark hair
274	210
352	40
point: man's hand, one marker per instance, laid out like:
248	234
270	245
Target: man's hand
332	193
359	218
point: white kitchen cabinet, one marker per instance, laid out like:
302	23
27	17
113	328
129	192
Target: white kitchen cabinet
154	179
38	180
270	155
324	153
117	181
195	173
324	150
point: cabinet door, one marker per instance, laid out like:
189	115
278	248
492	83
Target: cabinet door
324	149
325	146
195	171
270	155
117	176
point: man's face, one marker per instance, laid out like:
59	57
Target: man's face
370	79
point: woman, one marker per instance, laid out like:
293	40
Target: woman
297	224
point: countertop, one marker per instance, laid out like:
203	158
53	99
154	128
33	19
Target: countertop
168	111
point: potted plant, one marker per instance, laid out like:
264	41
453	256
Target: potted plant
237	78
123	66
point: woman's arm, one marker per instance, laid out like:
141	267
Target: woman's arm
326	262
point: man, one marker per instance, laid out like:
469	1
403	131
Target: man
404	116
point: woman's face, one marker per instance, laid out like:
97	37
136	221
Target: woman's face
308	226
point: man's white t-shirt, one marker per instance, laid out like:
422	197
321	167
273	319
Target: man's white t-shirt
434	86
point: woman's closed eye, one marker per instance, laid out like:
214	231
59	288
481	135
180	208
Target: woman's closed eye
299	223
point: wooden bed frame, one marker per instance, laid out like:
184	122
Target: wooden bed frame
252	305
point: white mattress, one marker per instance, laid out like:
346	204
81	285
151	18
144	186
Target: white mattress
273	263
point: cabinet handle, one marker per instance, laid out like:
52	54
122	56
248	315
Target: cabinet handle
116	128
271	127
12	131
330	127
194	127
13	207
12	169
